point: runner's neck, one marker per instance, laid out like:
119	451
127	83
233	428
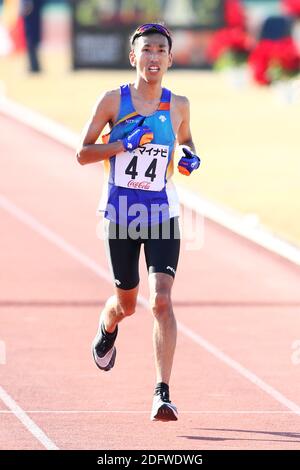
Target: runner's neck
149	93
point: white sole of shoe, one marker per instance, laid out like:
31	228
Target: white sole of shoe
165	412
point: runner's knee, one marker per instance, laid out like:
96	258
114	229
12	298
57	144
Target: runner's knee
160	303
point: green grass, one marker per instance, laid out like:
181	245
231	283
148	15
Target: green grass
247	138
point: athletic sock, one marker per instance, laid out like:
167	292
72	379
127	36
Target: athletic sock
162	389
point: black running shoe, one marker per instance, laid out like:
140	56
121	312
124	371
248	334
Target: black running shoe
162	408
103	349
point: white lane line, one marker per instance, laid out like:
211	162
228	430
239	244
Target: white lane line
236	222
39	122
241	369
54	238
239	224
200	412
32	427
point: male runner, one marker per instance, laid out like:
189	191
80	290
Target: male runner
140	203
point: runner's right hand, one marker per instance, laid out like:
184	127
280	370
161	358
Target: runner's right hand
137	137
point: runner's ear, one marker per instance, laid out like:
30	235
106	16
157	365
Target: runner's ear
132	58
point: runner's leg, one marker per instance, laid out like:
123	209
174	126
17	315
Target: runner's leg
164	329
162	255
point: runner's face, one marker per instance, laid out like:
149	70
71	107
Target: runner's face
151	57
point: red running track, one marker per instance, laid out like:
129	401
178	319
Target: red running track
236	375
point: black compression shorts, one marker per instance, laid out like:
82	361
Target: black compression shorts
161	246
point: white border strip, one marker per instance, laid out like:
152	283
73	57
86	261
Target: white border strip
239	224
26	421
71	250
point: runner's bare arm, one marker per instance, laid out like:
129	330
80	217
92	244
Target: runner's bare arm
105	112
184	135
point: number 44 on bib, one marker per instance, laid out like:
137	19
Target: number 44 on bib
144	168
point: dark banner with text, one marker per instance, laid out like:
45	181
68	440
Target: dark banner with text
101	29
141	458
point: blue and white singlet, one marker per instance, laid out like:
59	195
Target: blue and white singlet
139	182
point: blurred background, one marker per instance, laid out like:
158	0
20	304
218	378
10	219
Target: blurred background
237	61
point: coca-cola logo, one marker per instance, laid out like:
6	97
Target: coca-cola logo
138	184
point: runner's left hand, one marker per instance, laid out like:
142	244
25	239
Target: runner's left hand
188	162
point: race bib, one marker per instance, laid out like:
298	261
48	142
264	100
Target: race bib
143	168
